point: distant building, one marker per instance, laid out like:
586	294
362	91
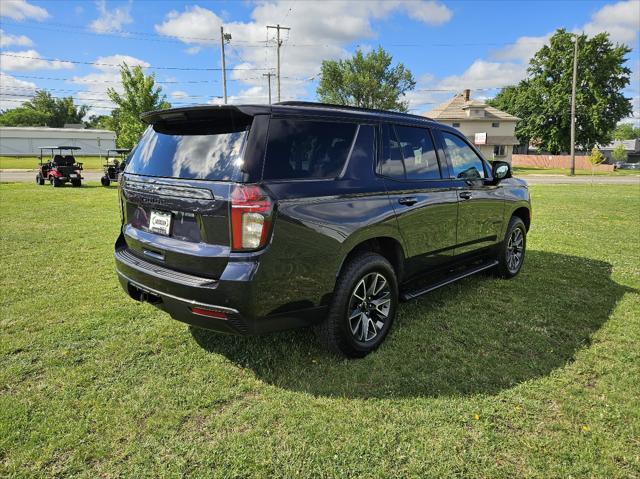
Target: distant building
632	147
24	141
492	131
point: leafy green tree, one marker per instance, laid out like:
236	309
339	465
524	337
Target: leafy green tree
140	94
22	116
44	110
59	110
596	156
100	122
543	100
368	81
619	153
626	131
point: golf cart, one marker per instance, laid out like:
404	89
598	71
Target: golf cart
60	168
116	161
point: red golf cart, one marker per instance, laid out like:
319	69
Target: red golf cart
61	166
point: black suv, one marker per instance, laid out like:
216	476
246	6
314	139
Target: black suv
257	218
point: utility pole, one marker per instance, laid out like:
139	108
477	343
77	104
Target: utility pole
269	75
573	106
279	44
224	37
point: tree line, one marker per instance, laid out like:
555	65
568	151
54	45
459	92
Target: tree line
371	80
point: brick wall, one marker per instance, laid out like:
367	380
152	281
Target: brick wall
556	161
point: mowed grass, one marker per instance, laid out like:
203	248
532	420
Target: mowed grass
534	377
32	162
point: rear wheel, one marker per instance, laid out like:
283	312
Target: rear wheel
39	179
76	183
105	181
512	249
363	307
56	182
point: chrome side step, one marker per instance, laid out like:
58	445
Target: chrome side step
414	293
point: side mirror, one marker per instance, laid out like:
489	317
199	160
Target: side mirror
500	171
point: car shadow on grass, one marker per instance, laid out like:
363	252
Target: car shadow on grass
479	336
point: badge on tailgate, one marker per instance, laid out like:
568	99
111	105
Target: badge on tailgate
160	222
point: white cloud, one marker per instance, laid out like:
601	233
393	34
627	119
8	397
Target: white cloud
6	40
522	49
107	75
484	74
111	20
621	20
431	13
255	94
15	91
319	30
22	10
30	60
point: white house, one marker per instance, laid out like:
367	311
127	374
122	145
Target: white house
491	130
24	141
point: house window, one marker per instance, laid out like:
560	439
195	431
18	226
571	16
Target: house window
495	124
499	150
456	125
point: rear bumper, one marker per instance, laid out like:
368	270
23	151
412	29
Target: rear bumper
236	294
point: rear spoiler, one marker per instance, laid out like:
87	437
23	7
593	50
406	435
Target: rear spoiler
236	113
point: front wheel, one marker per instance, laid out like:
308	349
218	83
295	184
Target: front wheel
363	307
56	182
39	179
512	249
105	181
76	183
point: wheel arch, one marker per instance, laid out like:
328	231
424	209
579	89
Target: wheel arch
524	214
387	246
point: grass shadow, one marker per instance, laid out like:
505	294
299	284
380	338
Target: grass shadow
481	335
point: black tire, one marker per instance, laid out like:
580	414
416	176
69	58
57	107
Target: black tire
508	267
105	181
39	179
56	182
336	332
76	183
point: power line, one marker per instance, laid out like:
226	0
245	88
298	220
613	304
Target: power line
118	64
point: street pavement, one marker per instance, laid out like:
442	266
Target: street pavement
28	176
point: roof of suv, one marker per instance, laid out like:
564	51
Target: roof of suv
287	107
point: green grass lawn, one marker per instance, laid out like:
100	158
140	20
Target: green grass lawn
531	170
534	377
31	162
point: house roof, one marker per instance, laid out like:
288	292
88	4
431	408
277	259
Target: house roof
455	109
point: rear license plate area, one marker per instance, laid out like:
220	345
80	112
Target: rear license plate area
160	222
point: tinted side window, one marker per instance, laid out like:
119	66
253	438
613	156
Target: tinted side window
306	149
466	164
420	160
392	163
363	154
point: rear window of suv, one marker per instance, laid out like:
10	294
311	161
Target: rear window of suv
307	149
190	150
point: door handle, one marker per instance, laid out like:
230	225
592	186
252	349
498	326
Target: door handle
408	200
465	195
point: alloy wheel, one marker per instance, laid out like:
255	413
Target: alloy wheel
515	249
369	307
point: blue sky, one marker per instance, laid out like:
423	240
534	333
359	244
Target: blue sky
448	45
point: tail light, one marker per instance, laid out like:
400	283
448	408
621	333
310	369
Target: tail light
251	211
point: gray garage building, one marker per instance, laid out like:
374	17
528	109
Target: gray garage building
24	141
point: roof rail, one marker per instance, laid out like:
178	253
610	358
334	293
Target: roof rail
313	104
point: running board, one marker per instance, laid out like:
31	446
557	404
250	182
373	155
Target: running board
411	294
